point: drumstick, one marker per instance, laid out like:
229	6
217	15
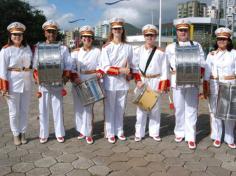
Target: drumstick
171	104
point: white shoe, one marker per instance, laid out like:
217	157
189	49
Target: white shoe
216	143
60	139
89	140
122	137
191	145
43	140
157	138
81	136
112	140
137	139
178	139
232	146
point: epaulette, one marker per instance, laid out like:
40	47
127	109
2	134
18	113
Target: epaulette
106	44
6	46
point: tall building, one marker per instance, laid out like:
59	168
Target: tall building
102	29
220	5
192	8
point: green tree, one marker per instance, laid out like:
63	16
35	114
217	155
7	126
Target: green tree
16	10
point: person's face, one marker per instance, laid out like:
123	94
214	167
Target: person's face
150	39
17	38
117	32
183	34
87	40
222	42
51	35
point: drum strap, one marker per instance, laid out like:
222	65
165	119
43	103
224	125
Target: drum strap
148	61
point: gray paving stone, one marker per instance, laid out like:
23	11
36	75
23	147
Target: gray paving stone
31	157
154	157
120	149
66	158
7	149
82	163
229	165
204	153
136	145
104	152
61	168
119	157
38	171
102	160
170	153
225	157
72	150
4	170
139	171
233	174
88	155
135	162
45	162
77	172
99	170
15	174
218	171
18	153
195	166
199	174
119	166
22	167
174	162
176	170
211	161
136	153
157	166
53	154
189	157
120	173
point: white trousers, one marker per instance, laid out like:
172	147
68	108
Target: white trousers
186	109
154	121
115	102
54	97
83	116
18	104
216	124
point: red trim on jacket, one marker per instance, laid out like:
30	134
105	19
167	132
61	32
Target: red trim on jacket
113	71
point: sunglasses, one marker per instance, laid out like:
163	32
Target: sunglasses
118	29
221	39
183	30
51	31
149	35
87	36
17	34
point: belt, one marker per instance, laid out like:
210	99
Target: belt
151	76
88	72
231	77
19	69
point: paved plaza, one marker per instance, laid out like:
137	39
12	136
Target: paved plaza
124	158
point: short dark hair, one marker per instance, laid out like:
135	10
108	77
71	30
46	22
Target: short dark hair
10	42
229	46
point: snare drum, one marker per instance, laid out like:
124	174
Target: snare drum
89	91
226	102
50	64
145	99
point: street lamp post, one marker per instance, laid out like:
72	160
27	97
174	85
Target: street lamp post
160	21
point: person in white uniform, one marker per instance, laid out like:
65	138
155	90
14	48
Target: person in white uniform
155	78
16	80
220	68
116	62
52	94
185	97
86	61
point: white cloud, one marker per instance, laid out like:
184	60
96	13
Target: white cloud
139	12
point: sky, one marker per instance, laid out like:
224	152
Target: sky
136	12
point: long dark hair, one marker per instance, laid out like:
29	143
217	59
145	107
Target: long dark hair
10	42
229	46
123	36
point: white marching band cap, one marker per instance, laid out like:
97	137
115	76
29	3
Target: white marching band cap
182	23
50	24
117	22
16	27
149	29
223	32
86	31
